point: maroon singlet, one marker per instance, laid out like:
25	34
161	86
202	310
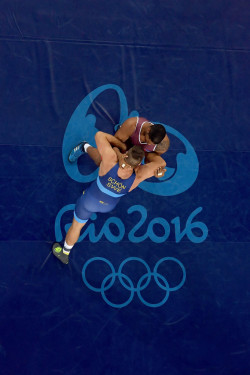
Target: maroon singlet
135	137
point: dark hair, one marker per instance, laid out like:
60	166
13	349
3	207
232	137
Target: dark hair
135	156
157	133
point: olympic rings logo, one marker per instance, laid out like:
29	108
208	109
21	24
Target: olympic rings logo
127	283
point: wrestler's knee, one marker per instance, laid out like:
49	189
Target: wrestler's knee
76	226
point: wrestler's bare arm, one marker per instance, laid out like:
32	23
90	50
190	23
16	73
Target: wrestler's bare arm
126	129
159	163
104	143
155	165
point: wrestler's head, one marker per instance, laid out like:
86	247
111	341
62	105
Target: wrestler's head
130	161
135	156
155	134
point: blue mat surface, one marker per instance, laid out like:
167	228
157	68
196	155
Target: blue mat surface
160	285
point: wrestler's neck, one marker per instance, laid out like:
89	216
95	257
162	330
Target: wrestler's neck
144	131
124	174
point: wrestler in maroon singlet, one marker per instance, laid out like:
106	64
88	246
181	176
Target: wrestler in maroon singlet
135	137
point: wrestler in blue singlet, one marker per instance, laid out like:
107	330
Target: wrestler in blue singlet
103	194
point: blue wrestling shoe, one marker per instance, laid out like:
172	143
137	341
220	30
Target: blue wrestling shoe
77	152
57	250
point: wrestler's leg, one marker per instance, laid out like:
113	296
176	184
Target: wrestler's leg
94	154
74	232
81	216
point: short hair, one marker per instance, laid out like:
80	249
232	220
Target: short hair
135	156
157	133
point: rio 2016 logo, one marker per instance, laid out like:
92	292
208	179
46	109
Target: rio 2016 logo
82	126
176	180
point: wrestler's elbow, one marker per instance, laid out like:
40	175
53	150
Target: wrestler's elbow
163	163
160	162
99	135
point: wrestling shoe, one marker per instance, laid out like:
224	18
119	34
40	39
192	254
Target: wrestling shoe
77	152
57	250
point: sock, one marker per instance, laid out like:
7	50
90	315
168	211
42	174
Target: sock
86	146
66	248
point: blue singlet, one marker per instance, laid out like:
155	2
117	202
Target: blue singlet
102	195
